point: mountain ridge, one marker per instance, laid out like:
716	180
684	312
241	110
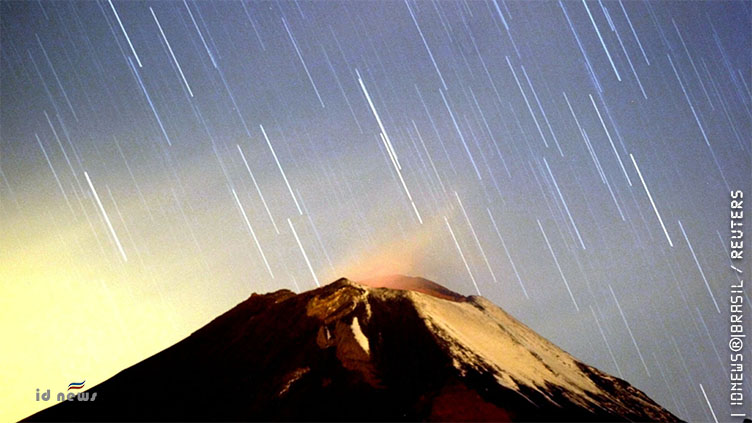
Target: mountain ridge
361	351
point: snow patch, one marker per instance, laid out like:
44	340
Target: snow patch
292	378
482	335
360	338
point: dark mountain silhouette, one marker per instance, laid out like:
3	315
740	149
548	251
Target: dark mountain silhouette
387	349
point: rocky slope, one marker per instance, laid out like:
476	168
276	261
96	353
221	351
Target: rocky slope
395	348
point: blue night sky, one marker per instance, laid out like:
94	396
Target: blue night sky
570	161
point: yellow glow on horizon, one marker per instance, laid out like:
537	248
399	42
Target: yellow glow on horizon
66	319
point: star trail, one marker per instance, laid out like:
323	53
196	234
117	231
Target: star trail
571	161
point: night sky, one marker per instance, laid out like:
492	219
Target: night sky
570	161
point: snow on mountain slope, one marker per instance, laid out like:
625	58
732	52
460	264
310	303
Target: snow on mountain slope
484	337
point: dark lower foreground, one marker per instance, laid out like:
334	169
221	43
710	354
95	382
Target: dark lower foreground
347	352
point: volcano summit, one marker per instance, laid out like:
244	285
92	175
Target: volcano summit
396	348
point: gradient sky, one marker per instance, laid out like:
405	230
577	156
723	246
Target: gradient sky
161	161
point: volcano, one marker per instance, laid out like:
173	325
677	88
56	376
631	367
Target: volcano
388	349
